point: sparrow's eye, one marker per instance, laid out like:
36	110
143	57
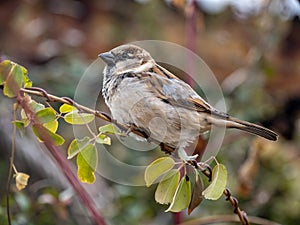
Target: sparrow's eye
124	55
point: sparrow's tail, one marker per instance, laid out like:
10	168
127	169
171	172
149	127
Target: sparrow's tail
252	128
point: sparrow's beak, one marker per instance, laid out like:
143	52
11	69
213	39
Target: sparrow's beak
108	58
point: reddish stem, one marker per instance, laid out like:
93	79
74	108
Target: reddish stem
191	40
72	178
61	160
177	217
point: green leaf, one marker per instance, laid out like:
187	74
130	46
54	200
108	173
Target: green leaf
14	80
167	186
45	115
46	135
52	125
65	108
109	129
27	82
76	146
182	197
157	168
8	67
19	125
90	155
35	107
24	118
87	161
219	179
75	117
197	193
103	139
5	68
25	121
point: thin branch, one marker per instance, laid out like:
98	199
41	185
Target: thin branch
11	168
234	202
191	38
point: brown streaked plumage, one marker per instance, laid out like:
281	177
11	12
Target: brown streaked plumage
139	91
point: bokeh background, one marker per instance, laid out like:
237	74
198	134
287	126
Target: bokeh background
253	48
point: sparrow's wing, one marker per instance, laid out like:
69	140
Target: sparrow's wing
176	92
172	90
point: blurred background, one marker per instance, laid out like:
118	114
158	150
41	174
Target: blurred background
253	48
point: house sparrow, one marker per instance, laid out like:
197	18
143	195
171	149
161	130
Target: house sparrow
142	93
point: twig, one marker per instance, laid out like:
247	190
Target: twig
11	168
234	202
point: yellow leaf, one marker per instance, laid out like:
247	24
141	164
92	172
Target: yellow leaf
65	108
13	81
167	186
52	126
219	179
87	161
157	168
103	139
76	146
109	129
45	134
21	180
182	197
45	115
75	117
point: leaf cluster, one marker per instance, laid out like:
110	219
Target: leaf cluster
44	121
181	185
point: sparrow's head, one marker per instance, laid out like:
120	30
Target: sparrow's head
127	58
